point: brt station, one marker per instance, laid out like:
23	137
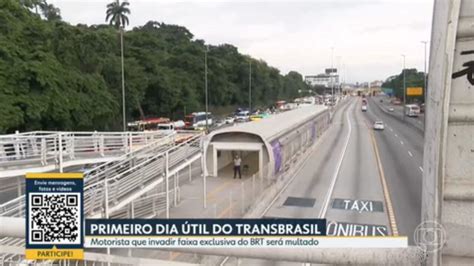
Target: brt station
266	147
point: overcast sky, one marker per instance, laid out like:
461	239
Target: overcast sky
368	36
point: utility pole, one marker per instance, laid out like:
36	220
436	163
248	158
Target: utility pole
205	85
404	87
250	85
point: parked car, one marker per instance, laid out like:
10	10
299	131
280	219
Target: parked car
390	109
378	125
229	120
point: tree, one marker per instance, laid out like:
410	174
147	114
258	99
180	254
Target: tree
56	76
117	15
50	12
413	79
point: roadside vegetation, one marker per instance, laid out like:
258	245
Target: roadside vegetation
56	76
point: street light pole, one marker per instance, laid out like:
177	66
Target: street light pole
205	84
331	76
338	77
124	123
250	86
404	87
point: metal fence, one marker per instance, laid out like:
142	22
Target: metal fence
104	197
45	148
109	185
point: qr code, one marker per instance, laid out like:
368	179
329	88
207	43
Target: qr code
55	218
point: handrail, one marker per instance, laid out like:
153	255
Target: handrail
112	190
149	165
55	149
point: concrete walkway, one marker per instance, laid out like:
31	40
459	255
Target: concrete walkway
225	198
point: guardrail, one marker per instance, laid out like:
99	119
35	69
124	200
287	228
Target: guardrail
48	148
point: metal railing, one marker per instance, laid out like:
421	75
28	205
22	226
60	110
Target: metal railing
114	192
48	148
109	184
12	253
148	206
13	208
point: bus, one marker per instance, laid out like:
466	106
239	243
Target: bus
197	120
412	110
147	124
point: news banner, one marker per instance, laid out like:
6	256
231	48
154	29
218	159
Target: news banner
220	233
57	229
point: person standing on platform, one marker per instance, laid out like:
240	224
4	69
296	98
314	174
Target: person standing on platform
237	162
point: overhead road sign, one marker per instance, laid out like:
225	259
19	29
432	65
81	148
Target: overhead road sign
414	91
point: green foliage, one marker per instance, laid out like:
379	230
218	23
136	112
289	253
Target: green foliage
117	13
57	76
413	79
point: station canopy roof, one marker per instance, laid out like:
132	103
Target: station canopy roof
275	125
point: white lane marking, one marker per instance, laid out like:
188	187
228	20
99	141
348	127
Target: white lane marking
294	174
396	135
421	169
409	153
401	142
326	201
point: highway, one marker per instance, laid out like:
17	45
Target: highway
416	122
364	182
401	150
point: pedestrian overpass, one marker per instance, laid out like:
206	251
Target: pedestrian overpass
131	168
44	151
119	181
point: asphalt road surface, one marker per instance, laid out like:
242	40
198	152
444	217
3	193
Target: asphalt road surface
339	181
345	183
401	151
416	122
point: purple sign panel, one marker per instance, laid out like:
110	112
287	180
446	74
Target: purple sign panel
276	147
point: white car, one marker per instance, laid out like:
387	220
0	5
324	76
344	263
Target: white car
229	120
378	125
364	108
391	109
243	116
